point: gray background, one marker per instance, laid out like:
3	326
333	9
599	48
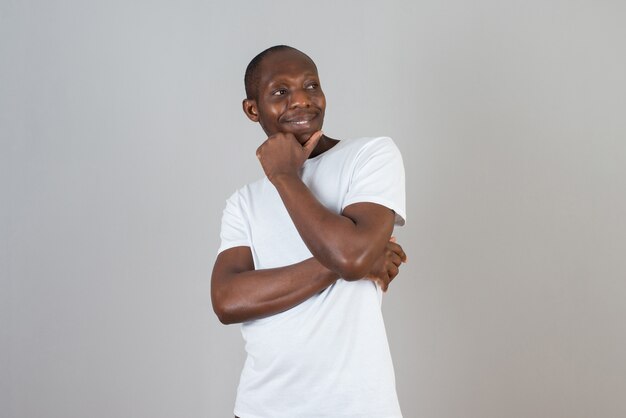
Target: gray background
122	136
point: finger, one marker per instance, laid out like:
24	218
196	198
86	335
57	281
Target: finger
392	272
396	248
310	145
384	281
395	259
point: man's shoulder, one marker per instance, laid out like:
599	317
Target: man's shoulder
254	188
359	145
367	141
366	147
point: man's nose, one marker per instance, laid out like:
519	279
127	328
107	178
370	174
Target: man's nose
300	98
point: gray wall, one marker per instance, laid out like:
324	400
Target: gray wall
122	136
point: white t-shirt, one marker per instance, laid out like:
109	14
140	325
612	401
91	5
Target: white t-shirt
328	356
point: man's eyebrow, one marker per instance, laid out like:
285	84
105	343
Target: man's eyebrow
282	79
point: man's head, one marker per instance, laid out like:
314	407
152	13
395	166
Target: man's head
284	93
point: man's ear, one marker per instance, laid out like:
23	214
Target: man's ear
251	110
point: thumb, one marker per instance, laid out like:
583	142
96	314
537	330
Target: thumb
310	145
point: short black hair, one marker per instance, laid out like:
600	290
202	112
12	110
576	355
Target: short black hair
252	77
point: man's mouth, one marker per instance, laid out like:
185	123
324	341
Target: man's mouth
300	119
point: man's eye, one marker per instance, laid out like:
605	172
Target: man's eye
279	92
312	86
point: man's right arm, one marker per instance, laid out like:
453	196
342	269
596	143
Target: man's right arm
240	293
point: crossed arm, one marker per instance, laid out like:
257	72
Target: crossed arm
352	245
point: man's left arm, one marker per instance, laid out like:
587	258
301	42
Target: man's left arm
348	243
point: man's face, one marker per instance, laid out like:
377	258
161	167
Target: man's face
289	97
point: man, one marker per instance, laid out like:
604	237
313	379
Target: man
306	254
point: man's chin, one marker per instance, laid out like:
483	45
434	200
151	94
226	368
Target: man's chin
302	133
303	137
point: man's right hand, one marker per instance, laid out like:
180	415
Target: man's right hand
282	154
387	266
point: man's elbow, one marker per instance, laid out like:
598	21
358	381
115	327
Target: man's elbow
227	320
353	268
226	312
225	316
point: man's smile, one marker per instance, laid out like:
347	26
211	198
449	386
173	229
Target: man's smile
300	118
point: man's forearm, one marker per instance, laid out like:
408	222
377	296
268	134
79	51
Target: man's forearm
340	243
253	294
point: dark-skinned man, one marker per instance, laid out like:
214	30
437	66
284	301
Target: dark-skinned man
306	254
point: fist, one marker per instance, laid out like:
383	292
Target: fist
387	266
282	154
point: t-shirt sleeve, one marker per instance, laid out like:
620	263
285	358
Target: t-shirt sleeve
234	232
378	177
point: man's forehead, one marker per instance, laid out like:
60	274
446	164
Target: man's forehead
287	63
